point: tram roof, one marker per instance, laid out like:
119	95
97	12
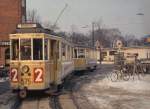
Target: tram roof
32	28
83	46
36	28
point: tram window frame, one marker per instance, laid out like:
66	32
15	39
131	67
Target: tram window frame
68	52
16	51
52	49
81	53
46	49
87	52
38	52
63	49
112	52
75	53
58	48
25	52
72	54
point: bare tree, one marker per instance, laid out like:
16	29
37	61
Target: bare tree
131	40
105	36
33	16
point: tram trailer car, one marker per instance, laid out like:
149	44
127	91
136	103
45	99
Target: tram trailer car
38	60
84	58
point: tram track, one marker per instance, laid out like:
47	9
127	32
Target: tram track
16	104
8	100
65	99
35	103
52	102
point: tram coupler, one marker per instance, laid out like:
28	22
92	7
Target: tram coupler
22	93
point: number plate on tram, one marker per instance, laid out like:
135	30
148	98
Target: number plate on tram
26	81
38	75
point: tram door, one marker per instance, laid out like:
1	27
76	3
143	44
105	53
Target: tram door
54	57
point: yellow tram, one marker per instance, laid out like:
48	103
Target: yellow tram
85	58
38	60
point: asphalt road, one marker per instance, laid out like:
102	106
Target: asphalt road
4	87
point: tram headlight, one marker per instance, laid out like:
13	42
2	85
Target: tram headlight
25	69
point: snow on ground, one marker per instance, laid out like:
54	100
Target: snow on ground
4	79
119	95
131	85
105	94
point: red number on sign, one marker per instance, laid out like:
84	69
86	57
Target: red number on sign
14	75
38	75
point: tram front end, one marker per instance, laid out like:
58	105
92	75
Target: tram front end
27	63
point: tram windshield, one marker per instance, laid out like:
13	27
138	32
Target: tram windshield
29	49
37	49
15	49
25	49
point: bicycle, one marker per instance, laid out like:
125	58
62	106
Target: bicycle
119	75
138	69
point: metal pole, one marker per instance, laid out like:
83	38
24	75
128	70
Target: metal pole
93	34
100	55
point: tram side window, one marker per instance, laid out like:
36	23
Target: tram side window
81	53
75	53
46	49
15	49
25	49
37	49
68	51
112	52
52	45
58	47
87	53
54	49
63	51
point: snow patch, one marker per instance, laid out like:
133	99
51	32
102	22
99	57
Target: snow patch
99	102
4	79
131	85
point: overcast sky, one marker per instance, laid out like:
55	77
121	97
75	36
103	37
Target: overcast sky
112	13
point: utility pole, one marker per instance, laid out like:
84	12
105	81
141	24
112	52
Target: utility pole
93	34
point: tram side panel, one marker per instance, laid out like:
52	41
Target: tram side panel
80	64
67	68
84	59
67	64
14	76
91	60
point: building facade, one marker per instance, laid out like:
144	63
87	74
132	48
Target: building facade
108	54
12	12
